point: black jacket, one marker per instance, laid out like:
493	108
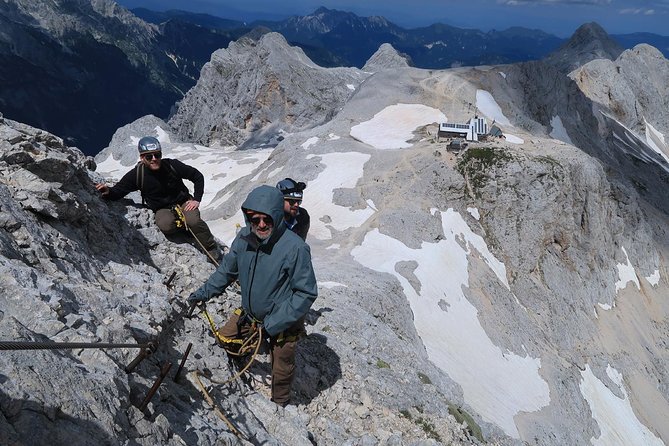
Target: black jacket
301	223
163	188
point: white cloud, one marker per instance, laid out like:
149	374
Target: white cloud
637	11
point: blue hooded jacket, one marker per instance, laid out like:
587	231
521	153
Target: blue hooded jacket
276	275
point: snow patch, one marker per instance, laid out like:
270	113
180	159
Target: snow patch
626	274
558	131
474	213
309	142
333	137
655	140
111	168
342	170
618	425
437	43
274	173
654	278
497	384
503	74
163	136
513	139
350	87
393	126
489	107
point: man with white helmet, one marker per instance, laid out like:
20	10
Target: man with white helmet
160	181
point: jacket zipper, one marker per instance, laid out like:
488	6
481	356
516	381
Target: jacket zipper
253	275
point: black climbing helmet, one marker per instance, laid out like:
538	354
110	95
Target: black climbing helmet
148	144
291	188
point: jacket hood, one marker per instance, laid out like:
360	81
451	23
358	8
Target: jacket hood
268	200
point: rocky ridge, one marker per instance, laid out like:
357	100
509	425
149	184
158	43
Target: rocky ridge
254	91
631	87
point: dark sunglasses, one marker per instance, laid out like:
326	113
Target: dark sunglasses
292	201
257	219
150	156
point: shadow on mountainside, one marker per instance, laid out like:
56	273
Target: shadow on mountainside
125	233
318	368
25	422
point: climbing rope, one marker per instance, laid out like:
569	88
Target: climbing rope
248	345
196	376
181	221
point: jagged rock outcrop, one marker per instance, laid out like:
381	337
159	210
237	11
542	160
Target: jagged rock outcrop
632	87
63	18
386	57
610	108
254	91
83	68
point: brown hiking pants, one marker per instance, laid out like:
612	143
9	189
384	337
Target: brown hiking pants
166	221
282	353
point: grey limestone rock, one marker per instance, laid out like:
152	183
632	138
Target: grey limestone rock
386	57
253	91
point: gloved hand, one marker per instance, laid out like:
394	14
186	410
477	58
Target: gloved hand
196	299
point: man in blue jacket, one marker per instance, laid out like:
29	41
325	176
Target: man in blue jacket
278	285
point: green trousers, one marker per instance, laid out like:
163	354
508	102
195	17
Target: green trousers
166	221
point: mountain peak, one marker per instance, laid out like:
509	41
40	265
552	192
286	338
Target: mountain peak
589	42
387	57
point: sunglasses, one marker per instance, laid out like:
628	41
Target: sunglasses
257	219
293	201
151	156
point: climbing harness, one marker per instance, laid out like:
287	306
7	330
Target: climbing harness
180	217
181	223
249	345
180	220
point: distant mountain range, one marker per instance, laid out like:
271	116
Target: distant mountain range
82	69
336	38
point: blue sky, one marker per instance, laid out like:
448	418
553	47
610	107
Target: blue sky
559	17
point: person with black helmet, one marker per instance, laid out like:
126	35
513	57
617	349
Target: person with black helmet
160	181
296	217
